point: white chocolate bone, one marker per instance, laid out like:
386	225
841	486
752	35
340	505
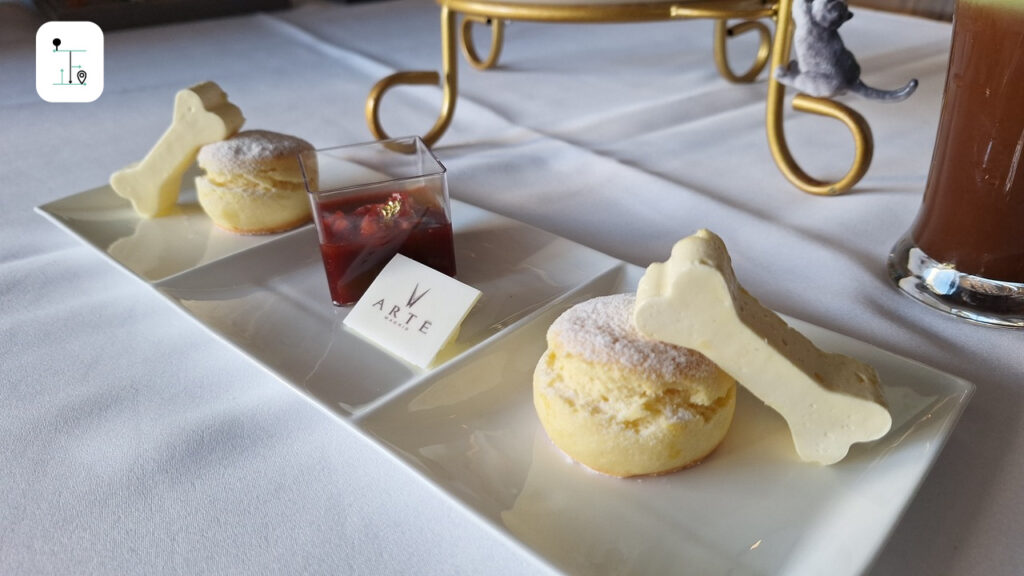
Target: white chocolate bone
830	401
202	114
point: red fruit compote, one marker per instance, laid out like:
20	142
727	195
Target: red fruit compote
360	234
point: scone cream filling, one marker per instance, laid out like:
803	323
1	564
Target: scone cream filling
254	186
626	402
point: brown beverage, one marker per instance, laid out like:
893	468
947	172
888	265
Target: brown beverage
973	211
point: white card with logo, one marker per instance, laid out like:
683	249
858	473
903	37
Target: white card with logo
412	310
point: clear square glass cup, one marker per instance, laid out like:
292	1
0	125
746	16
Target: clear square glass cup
372	201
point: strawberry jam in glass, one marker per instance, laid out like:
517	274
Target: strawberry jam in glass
372	201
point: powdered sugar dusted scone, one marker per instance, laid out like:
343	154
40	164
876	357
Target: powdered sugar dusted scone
253	183
624	404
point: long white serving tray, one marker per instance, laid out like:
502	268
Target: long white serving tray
467	425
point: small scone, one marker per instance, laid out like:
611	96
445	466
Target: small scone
253	183
624	404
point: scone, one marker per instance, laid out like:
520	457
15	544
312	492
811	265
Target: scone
623	404
253	183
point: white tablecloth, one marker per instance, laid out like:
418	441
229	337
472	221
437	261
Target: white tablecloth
132	441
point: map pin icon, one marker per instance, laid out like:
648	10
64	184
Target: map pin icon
56	44
81	76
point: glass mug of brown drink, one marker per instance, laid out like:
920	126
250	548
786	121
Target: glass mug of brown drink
965	252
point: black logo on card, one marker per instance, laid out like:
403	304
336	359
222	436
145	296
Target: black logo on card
404	318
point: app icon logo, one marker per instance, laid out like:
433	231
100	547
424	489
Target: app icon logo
69	61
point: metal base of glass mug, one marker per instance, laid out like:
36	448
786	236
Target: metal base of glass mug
943	287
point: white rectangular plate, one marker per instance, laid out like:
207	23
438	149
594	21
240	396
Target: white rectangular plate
468	427
150	248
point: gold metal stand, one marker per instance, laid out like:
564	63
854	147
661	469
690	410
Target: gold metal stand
494	13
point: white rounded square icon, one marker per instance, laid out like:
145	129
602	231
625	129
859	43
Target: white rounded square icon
69	61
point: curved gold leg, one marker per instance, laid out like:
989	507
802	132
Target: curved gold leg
722	34
858	126
449	85
497	39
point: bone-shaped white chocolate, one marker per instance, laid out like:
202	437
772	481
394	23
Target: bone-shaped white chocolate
202	114
830	401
